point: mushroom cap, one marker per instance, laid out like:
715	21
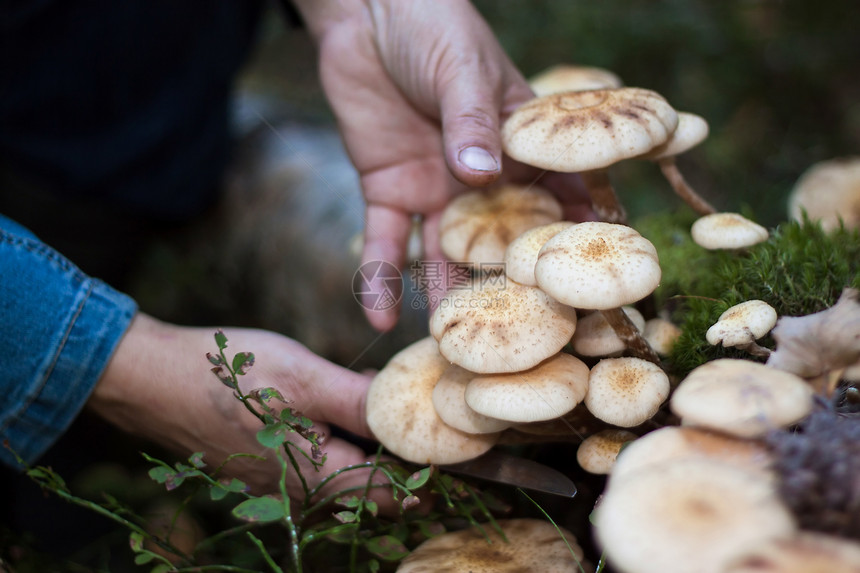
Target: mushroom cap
594	335
742	323
477	226
727	231
828	191
691	131
400	410
672	443
661	334
532	545
598	265
449	400
493	328
547	391
626	391
522	253
741	397
692	515
566	77
806	552
597	453
580	131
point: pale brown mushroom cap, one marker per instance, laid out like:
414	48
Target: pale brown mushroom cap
566	77
626	391
661	334
522	253
500	327
806	552
691	131
727	231
477	226
532	545
672	443
449	400
400	410
741	397
828	191
598	265
547	391
692	515
742	324
598	452
581	131
594	335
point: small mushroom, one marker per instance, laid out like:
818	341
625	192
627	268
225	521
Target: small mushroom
522	253
400	410
741	325
692	130
566	77
586	132
626	391
597	453
500	327
594	336
828	192
549	390
477	226
727	231
528	545
741	397
805	552
449	400
601	266
661	334
692	515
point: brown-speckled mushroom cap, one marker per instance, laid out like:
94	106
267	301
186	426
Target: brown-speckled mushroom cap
727	231
500	326
477	226
400	410
598	265
581	131
594	335
549	390
626	391
449	400
521	255
741	397
692	515
691	131
742	324
532	545
568	77
597	453
828	191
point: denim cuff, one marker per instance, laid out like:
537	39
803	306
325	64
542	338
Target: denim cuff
58	330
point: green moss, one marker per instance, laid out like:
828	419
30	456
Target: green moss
799	270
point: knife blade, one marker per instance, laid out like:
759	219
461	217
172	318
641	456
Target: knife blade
501	467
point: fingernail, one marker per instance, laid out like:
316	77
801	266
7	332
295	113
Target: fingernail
478	159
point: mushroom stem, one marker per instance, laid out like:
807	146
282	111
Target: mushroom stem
756	349
682	188
627	331
604	201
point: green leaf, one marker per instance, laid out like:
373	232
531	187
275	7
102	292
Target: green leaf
352	501
273	436
373	566
220	491
345	516
214	360
143	558
161	568
161	474
372	507
135	541
260	509
343	533
419	478
387	547
242	362
221	339
196	460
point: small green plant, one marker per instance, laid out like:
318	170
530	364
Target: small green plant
276	532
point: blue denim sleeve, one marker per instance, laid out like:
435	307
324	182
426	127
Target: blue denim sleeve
58	329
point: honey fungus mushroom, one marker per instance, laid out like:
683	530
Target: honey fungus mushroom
493	327
601	266
528	545
741	325
598	452
477	226
626	391
828	192
521	255
587	131
727	231
569	77
400	410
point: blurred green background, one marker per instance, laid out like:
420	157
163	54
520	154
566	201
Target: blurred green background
778	81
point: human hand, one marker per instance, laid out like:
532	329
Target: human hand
158	386
419	89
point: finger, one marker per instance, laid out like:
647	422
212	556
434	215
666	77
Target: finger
339	396
386	237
